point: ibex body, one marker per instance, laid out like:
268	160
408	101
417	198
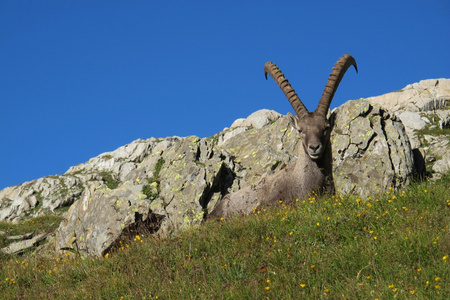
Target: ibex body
313	166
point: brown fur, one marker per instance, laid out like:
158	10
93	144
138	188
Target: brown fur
312	170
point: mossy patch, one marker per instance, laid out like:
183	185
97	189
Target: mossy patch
109	179
152	189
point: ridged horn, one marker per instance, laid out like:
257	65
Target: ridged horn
283	83
335	78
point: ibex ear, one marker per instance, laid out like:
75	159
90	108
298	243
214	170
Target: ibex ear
295	121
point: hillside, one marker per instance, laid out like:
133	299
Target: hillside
335	247
170	184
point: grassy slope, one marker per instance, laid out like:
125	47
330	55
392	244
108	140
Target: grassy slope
396	245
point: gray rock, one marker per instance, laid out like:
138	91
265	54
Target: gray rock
257	119
44	195
100	216
228	134
370	149
413	120
442	165
426	95
20	237
18	247
444	118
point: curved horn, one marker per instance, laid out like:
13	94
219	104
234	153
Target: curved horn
335	78
283	83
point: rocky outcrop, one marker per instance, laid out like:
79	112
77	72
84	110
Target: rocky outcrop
424	109
370	149
40	196
171	183
425	95
171	186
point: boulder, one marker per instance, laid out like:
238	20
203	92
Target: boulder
95	221
370	149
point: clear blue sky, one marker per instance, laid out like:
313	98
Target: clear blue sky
79	78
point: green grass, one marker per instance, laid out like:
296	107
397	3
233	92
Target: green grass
434	132
396	245
109	179
42	224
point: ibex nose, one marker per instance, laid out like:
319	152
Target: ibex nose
314	148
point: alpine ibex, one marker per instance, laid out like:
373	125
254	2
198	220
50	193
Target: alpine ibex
313	166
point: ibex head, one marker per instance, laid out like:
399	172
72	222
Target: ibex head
313	126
